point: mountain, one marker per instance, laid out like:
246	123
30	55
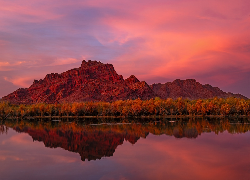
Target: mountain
191	89
95	81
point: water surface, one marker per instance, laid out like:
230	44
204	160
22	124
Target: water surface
180	149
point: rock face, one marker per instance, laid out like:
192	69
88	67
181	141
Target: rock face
190	89
95	81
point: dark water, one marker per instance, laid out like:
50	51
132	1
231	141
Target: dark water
183	149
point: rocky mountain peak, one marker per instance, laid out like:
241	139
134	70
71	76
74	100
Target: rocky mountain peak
132	79
95	81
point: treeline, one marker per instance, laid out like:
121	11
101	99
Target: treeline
138	107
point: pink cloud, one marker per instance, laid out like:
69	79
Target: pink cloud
33	12
23	82
6	66
160	39
63	61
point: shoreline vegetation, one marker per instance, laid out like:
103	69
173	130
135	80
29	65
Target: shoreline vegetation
153	108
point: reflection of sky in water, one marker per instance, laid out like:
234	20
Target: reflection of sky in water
223	156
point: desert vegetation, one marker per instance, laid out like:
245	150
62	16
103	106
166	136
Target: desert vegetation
131	108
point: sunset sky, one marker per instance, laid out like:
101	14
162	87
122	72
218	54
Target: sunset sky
157	41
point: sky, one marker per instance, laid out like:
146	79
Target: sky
157	41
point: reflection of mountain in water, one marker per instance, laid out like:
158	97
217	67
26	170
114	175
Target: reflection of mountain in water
96	141
90	144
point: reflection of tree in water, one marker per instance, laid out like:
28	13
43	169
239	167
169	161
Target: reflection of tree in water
189	133
3	129
96	141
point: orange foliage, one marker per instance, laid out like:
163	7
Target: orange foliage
137	107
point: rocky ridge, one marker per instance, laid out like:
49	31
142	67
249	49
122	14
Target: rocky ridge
95	81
